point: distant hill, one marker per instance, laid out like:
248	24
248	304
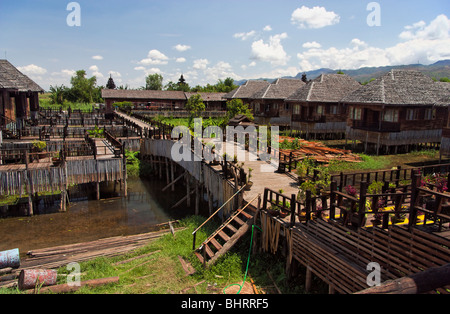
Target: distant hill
437	70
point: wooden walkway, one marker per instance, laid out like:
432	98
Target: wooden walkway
263	175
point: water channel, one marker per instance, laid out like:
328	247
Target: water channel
88	219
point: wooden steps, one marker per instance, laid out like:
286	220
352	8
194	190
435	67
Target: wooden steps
224	238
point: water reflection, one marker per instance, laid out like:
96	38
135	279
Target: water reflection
88	220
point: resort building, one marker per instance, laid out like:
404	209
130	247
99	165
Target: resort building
399	110
269	106
160	100
19	99
316	108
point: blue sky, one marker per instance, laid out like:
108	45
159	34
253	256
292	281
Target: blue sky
211	40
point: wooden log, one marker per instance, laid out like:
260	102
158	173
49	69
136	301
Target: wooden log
428	280
66	288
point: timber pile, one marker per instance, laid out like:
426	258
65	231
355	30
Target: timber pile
62	255
318	152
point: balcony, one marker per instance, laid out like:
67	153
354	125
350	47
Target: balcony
313	119
383	127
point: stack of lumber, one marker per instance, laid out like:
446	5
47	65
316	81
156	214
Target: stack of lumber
55	257
62	255
319	152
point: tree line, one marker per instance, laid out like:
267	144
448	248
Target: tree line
85	90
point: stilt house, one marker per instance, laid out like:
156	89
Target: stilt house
316	107
397	112
19	99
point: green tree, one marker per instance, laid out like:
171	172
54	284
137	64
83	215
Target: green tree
195	106
154	82
57	95
83	89
236	107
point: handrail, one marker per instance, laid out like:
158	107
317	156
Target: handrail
231	218
210	217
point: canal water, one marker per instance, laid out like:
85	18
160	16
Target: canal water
88	219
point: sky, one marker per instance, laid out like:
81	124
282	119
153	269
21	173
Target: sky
208	40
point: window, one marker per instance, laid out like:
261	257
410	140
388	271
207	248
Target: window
333	109
411	114
296	109
390	115
355	113
257	108
430	114
320	110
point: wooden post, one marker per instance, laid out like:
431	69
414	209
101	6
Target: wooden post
172	173
197	199
293	206
308	279
333	200
415	182
362	202
188	190
29	187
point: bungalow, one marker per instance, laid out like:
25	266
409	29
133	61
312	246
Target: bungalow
19	98
269	106
445	101
212	101
246	91
400	109
160	100
145	99
316	108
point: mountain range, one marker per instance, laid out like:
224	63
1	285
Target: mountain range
436	70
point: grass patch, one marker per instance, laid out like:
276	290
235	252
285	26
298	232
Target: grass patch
162	273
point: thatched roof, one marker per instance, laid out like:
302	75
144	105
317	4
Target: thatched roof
11	78
247	90
280	89
399	87
325	88
143	94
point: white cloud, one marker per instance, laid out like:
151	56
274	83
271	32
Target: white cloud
267	28
245	36
97	57
32	70
180	60
312	45
155	57
424	43
200	64
96	72
316	17
272	51
182	48
438	29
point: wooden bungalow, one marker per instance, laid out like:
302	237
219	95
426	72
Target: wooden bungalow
316	108
269	106
445	141
246	91
212	101
19	99
145	99
399	110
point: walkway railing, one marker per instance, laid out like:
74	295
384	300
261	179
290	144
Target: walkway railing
213	215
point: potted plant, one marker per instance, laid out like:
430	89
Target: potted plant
274	211
39	147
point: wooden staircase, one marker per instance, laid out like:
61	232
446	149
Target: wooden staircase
226	236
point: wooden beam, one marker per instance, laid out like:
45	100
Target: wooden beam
428	280
182	200
172	183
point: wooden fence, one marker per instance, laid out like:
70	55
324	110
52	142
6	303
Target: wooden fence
340	256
